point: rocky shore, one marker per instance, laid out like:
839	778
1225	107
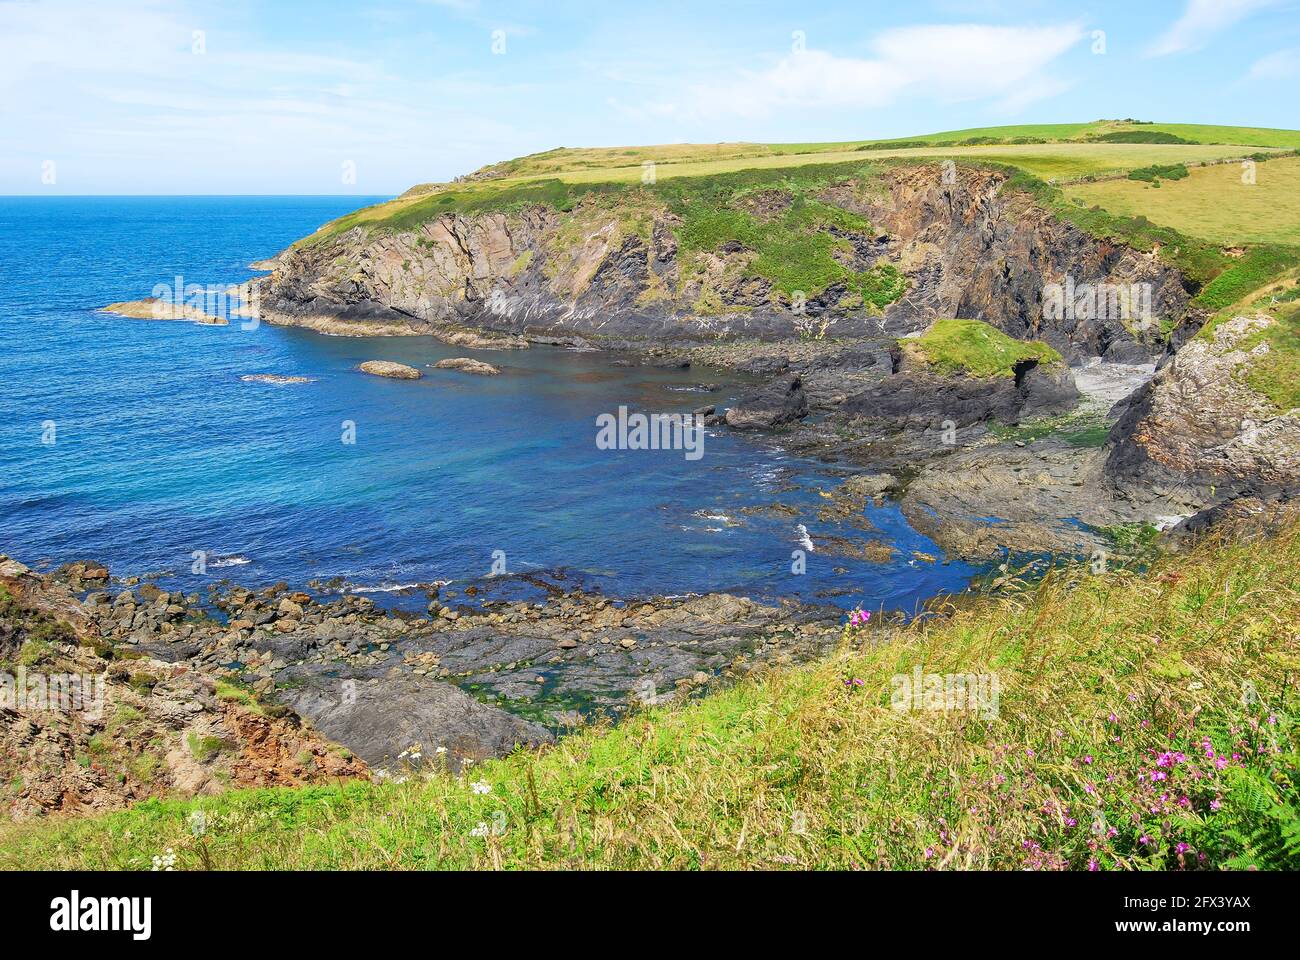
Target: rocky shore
244	687
90	724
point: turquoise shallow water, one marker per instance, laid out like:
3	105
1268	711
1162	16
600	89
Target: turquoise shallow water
160	449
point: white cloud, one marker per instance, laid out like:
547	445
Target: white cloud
951	64
1201	21
117	98
1280	65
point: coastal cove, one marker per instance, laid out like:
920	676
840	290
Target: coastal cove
171	438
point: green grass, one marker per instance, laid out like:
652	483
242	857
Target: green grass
975	348
1119	131
235	693
1213	203
1248	274
1099	676
204	749
550	178
1276	375
795	250
34	652
1223	279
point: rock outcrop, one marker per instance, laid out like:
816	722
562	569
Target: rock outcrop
1200	432
385	721
918	398
154	308
390	369
780	402
468	365
86	726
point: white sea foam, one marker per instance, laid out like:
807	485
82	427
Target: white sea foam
387	587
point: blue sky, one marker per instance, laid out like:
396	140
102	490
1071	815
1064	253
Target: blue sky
371	96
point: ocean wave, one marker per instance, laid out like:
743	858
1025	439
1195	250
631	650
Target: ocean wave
392	587
803	539
235	560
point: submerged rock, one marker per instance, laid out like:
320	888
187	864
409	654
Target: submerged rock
273	378
388	368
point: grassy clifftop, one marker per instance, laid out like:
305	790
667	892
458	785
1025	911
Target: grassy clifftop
1050	151
1139	720
685	159
976	348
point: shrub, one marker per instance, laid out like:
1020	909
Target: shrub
1157	172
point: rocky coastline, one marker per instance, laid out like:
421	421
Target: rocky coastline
1056	452
1088	426
277	686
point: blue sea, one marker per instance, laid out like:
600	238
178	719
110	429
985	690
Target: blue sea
136	442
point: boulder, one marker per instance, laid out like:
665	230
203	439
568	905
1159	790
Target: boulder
468	365
780	402
378	722
388	368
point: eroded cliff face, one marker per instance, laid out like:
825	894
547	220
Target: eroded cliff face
613	270
1199	430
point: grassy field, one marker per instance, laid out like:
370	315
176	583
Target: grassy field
1048	161
1193	132
550	177
1140	721
1212	202
581	162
